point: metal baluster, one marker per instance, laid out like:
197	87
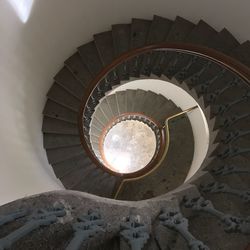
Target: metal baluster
231	223
228	169
38	219
135	233
88	226
216	187
175	220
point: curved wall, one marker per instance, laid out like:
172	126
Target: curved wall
31	52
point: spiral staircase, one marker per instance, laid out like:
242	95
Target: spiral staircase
156	207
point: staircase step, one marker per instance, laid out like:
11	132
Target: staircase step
224	42
131	94
121	41
242	52
54	110
61	154
73	164
65	78
57	140
113	104
90	57
105	47
179	30
77	177
122	102
78	68
159	29
201	34
148	104
98	124
140	94
51	125
101	116
104	106
139	32
95	131
121	35
63	97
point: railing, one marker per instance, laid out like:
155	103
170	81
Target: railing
165	132
109	77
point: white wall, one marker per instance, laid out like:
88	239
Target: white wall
31	53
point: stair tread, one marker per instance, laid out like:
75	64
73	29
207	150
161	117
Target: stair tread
224	42
90	57
130	95
121	35
104	106
139	32
51	125
122	102
180	30
201	34
65	167
54	110
65	78
105	47
78	176
111	99
159	29
78	68
61	154
59	140
242	53
63	97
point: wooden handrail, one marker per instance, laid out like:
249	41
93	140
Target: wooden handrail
226	61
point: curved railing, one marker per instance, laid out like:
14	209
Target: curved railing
109	76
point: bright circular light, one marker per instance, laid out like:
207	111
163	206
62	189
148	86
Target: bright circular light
129	146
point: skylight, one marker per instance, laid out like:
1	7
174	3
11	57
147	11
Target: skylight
22	8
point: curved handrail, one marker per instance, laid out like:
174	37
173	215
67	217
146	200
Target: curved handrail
165	128
226	61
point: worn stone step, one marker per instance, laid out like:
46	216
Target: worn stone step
130	95
201	34
139	32
90	57
105	47
121	35
140	94
104	106
66	79
242	52
78	68
112	102
70	165
97	123
121	41
100	115
54	110
122	101
51	125
224	42
159	29
77	177
59	140
61	154
179	30
104	185
63	97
